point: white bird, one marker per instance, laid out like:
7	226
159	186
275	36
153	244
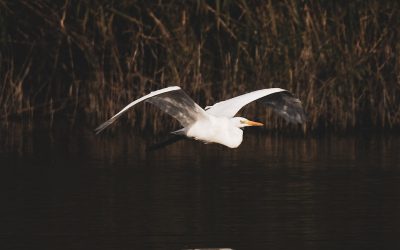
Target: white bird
216	123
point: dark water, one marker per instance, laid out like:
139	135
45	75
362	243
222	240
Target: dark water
78	191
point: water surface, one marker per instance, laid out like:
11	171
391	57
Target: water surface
78	191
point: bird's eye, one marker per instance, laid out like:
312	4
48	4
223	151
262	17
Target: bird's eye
242	121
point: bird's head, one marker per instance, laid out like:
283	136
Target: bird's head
242	122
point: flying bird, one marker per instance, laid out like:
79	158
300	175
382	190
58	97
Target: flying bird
217	123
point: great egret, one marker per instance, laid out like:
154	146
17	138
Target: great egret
216	123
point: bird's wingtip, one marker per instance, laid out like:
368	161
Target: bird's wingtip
175	87
104	125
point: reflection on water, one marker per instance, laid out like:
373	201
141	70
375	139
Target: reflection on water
80	191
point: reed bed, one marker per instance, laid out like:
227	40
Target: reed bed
87	59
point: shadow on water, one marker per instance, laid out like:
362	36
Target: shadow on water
81	191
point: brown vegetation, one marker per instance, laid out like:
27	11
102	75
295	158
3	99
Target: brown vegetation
90	58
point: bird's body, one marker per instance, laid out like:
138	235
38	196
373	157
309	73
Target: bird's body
217	124
222	132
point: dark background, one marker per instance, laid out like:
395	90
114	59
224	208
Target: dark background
85	60
67	66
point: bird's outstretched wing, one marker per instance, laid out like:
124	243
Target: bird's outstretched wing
281	101
286	105
171	100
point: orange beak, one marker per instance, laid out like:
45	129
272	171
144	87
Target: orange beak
251	123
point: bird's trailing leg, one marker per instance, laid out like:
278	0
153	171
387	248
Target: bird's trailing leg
166	141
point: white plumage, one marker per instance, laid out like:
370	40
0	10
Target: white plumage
217	124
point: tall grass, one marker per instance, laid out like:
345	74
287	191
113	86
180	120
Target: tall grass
90	58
